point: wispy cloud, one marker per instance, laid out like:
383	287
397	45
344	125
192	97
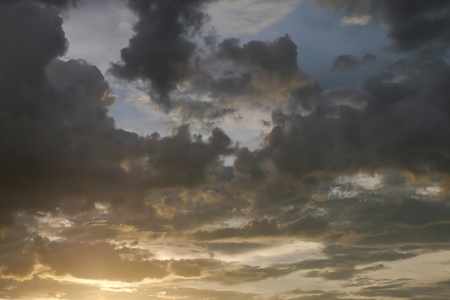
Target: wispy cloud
357	20
248	16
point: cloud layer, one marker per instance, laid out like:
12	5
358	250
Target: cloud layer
348	186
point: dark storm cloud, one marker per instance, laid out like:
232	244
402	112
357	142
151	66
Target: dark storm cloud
161	52
416	23
58	143
248	164
164	54
404	123
32	36
412	24
62	3
14	261
234	76
349	62
278	57
182	158
262	73
56	3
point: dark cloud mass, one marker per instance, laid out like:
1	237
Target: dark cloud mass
350	62
404	124
56	3
165	53
279	56
182	159
413	24
55	127
161	51
33	37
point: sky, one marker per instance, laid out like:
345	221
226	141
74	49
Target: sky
224	149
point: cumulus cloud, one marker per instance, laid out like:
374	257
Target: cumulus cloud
56	3
411	26
182	159
347	140
266	72
235	77
55	125
161	51
201	84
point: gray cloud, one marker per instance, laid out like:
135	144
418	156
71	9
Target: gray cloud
349	62
305	227
437	291
262	73
90	232
403	124
230	76
161	51
278	57
58	142
233	248
55	3
411	25
62	3
182	159
34	36
344	263
343	274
